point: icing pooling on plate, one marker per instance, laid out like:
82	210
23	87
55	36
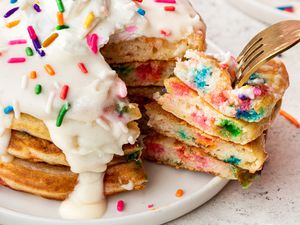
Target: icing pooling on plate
89	123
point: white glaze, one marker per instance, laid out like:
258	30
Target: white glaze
92	132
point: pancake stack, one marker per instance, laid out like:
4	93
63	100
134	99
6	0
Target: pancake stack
65	112
202	124
40	168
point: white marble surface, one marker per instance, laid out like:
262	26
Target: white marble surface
274	199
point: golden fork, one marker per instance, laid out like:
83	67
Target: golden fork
266	45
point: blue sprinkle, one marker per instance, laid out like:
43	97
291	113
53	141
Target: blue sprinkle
13	1
8	109
201	76
141	11
233	160
250	116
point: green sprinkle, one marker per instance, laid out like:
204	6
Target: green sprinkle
183	135
121	109
229	126
122	70
60	6
29	51
61	27
61	115
38	89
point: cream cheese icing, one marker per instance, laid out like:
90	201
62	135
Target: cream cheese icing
67	84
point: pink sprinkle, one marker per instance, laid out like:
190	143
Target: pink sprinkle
94	43
131	29
17	42
88	40
224	66
257	91
31	32
120	206
150	206
166	1
16	60
166	33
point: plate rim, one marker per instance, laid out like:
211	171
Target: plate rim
187	204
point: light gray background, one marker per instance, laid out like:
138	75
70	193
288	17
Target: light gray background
275	197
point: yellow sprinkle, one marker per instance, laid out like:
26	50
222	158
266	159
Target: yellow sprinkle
49	40
49	70
12	24
89	20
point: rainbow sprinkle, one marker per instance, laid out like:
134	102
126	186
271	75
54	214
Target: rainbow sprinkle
16	60
17	42
64	92
49	69
60	6
37	8
13	23
61	115
10	12
29	51
120	206
141	11
89	20
179	193
83	68
8	109
38	89
60	18
50	40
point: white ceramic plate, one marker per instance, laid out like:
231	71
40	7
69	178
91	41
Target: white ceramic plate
18	208
265	10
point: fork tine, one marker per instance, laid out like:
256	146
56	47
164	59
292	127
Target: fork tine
257	39
253	51
250	60
268	32
258	61
265	46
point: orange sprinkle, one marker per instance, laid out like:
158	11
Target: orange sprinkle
50	40
179	193
32	75
290	118
13	24
49	69
60	18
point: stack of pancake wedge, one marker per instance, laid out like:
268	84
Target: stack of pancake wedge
201	123
40	168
